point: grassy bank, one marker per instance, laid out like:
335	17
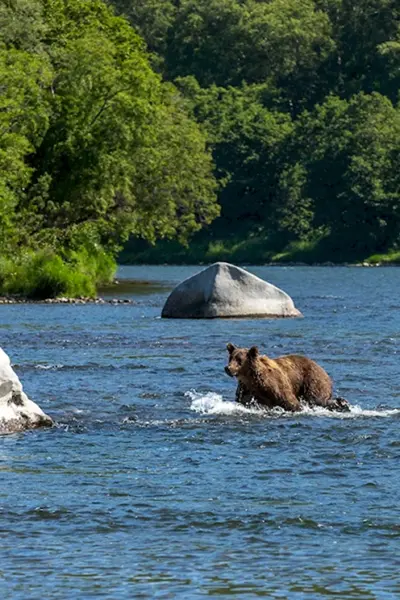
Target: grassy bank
390	258
254	250
45	274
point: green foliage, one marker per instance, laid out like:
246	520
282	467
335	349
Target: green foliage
22	25
248	141
120	148
363	29
237	250
45	274
151	18
352	162
254	249
227	42
298	102
93	145
171	182
390	258
24	114
284	109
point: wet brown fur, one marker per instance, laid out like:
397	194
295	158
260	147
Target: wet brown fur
284	381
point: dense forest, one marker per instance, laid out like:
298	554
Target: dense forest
238	129
299	103
94	147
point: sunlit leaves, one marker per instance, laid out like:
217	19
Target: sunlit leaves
86	127
24	115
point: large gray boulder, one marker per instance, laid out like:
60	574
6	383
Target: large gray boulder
17	412
223	290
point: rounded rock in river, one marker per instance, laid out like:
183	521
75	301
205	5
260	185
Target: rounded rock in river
224	290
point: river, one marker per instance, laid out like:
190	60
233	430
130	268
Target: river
154	484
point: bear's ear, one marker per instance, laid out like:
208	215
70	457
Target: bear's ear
231	347
253	352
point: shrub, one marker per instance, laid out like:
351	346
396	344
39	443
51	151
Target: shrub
45	274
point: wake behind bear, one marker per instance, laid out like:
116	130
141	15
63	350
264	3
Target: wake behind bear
287	381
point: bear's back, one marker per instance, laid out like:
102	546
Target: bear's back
308	378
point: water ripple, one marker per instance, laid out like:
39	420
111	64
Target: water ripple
155	484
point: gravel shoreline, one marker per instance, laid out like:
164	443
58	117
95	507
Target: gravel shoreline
63	300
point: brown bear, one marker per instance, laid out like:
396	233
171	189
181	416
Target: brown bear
285	381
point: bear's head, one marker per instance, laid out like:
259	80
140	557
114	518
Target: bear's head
240	360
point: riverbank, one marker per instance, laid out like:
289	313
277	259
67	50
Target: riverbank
254	251
62	300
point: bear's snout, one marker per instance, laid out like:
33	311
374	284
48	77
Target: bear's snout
228	372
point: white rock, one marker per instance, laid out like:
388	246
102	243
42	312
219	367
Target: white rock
224	290
17	412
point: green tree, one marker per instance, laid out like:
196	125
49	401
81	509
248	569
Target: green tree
364	31
22	25
350	152
226	43
152	19
174	191
24	115
207	41
109	109
288	41
248	143
93	145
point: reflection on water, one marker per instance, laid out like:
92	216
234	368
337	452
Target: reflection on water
128	288
155	484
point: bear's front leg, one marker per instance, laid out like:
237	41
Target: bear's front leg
291	403
243	395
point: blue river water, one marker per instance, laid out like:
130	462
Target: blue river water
154	484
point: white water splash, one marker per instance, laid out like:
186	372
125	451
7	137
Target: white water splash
355	412
211	403
50	367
